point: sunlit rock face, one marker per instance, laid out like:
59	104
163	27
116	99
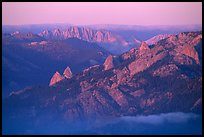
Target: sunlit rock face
56	78
108	64
185	43
67	73
84	33
144	46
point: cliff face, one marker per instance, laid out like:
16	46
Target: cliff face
84	33
67	73
108	64
57	77
112	42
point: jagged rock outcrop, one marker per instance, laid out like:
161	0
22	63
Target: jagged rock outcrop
144	46
185	43
108	64
113	42
67	73
56	78
84	33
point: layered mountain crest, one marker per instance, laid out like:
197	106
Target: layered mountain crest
83	33
146	80
20	37
109	40
113	42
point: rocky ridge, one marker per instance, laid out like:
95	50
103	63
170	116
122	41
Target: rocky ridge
84	33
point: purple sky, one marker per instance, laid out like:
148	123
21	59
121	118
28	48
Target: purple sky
85	13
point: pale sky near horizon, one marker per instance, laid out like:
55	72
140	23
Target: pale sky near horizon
87	13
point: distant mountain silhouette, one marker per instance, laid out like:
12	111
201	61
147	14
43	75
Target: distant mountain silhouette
111	42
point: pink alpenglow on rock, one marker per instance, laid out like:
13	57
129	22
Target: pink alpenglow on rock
144	46
56	78
108	64
157	38
67	73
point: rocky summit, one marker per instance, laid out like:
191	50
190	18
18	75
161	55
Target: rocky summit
58	77
144	46
55	78
67	72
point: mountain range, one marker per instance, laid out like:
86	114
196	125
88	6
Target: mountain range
28	56
106	39
163	77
